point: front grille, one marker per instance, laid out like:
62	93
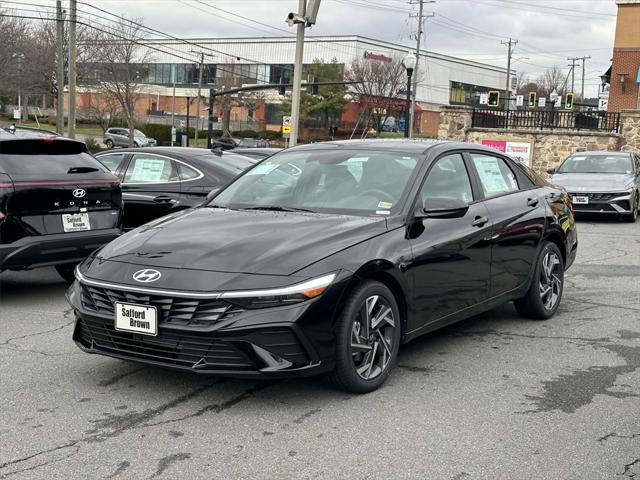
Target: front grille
192	351
596	197
171	310
605	207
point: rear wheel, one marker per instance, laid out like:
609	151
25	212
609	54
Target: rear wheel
109	143
543	297
368	339
633	216
67	272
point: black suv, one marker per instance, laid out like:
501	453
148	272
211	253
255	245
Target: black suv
57	203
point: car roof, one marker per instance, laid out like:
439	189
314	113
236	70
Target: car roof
603	152
415	146
177	151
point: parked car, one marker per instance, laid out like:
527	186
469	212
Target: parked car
119	137
231	143
57	203
162	180
329	266
256	153
601	182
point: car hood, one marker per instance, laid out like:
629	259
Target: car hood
260	242
593	182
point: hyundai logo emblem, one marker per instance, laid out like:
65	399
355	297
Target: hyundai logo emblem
79	193
147	275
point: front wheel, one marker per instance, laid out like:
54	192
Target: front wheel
109	143
67	272
543	297
367	339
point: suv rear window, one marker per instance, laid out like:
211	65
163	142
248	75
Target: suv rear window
44	166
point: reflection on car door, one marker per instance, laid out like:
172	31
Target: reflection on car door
451	267
517	212
151	188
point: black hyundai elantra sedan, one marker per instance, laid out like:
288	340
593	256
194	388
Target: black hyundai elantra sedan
325	258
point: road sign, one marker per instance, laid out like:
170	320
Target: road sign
286	121
484	98
542	102
519	100
558	103
286	129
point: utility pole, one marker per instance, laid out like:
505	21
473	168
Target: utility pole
297	74
198	101
510	45
60	67
174	71
582	88
73	53
573	72
421	17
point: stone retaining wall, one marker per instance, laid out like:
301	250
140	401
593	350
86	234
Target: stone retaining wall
549	147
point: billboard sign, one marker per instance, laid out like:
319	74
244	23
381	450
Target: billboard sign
519	151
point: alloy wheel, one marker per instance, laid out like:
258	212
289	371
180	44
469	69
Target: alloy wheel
372	337
550	281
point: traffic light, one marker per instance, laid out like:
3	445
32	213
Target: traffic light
568	102
494	98
314	86
532	99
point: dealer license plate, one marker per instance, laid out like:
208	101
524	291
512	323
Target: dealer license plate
136	318
76	222
581	200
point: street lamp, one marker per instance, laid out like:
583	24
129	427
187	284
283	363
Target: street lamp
409	62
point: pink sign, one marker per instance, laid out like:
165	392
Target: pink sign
500	145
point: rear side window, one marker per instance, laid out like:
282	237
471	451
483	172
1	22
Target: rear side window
187	173
150	169
495	175
46	166
112	161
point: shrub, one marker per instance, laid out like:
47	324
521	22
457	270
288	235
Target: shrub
91	143
162	133
269	135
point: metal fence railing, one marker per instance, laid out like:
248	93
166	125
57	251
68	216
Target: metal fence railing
546	119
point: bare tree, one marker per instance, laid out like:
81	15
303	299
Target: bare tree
378	85
103	110
118	75
552	79
228	79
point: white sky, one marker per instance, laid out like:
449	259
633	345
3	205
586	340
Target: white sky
548	31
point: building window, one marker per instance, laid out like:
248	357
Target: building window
468	94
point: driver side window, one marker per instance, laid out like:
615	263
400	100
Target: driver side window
448	178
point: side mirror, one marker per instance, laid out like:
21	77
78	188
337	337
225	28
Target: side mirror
443	207
551	171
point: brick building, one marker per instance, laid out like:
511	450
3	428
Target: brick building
625	69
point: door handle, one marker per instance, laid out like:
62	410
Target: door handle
479	221
532	202
162	199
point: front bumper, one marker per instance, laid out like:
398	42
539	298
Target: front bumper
56	249
606	203
276	342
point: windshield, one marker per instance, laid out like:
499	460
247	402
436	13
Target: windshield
229	162
352	182
597	164
138	133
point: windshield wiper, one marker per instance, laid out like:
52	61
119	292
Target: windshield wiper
276	208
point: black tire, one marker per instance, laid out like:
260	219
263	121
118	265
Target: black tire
537	304
67	272
374	365
109	143
633	216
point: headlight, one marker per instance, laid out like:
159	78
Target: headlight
280	296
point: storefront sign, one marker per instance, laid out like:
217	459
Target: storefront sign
377	56
519	151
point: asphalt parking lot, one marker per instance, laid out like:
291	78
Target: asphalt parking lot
495	397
